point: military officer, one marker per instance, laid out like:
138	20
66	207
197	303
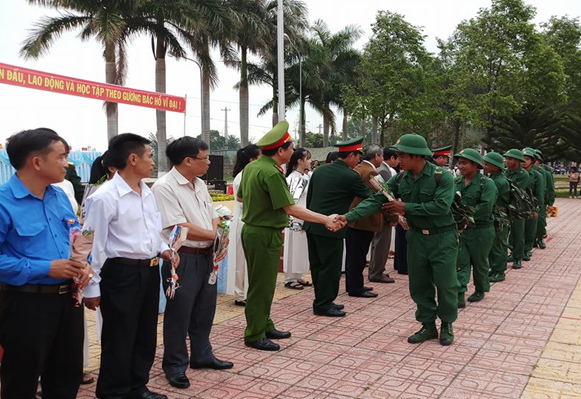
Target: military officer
479	192
538	188
493	166
426	192
521	178
332	189
442	156
549	200
267	203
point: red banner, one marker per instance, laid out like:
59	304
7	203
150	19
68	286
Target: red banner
32	79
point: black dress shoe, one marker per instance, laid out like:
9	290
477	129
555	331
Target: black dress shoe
263	344
365	294
147	395
332	312
178	380
338	307
368	288
216	364
275	334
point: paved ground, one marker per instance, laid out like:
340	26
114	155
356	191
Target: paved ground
522	341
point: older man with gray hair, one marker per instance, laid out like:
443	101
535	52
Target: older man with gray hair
361	232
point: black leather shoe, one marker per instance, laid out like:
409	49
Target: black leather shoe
178	380
338	307
275	334
147	395
216	364
263	344
365	294
368	288
332	312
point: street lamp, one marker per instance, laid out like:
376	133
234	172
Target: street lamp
301	132
201	102
280	60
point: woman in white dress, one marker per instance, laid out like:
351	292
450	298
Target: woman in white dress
296	254
237	274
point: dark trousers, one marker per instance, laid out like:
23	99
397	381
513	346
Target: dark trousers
325	258
129	304
190	313
400	260
573	189
357	244
42	336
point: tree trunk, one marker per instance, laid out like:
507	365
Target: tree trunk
111	77
206	109
160	87
303	133
345	125
325	131
374	130
363	128
456	147
243	98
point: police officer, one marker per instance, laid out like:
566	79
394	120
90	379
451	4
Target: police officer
493	166
267	203
538	188
479	192
549	200
514	172
426	192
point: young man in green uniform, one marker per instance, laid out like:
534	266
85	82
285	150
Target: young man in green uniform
479	192
432	239
331	190
521	177
549	200
267	203
497	259
538	188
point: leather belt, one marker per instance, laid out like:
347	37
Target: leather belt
196	251
39	288
137	262
436	231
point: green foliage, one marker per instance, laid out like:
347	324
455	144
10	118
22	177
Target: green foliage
219	142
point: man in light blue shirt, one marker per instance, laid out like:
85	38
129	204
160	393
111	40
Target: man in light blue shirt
41	329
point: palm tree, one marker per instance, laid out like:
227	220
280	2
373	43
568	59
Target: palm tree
105	20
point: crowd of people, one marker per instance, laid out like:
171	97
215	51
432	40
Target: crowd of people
329	220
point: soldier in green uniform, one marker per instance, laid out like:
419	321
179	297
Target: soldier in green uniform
477	191
426	192
521	178
549	200
497	259
331	190
268	201
538	188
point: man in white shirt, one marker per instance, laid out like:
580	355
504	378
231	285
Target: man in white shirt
127	245
183	199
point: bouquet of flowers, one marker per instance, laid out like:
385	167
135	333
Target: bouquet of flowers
80	245
379	184
177	238
221	242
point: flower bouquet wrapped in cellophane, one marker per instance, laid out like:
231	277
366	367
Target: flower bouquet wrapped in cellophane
80	245
221	242
177	238
379	184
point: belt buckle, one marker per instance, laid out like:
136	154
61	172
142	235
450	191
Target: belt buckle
64	289
426	232
154	262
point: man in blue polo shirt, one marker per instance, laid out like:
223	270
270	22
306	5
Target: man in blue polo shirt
41	329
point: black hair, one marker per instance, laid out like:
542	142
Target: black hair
343	155
332	157
184	147
100	168
298	154
123	145
27	143
272	152
243	157
389	153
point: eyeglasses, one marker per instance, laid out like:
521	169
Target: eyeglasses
207	159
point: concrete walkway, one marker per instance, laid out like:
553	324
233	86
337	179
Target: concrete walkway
522	340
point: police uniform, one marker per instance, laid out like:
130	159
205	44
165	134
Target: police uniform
538	188
266	192
476	242
497	258
522	179
432	240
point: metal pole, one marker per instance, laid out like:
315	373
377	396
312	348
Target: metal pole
301	132
280	58
186	95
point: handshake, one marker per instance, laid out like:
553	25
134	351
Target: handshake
335	222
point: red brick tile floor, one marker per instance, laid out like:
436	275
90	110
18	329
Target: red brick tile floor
497	347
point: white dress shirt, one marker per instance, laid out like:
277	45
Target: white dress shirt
374	168
125	225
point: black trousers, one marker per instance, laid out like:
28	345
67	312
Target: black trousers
190	313
42	336
400	261
325	259
357	243
129	304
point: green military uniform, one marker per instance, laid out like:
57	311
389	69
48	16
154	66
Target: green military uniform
476	242
432	240
332	188
497	258
549	201
265	192
538	188
522	179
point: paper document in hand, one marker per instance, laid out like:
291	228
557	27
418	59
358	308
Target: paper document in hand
379	184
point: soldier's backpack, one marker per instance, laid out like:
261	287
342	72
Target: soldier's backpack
522	204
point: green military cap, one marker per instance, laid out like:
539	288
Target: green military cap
495	159
442	151
470	154
514	153
351	145
412	144
277	136
539	154
529	152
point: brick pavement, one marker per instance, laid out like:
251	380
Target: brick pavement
522	340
